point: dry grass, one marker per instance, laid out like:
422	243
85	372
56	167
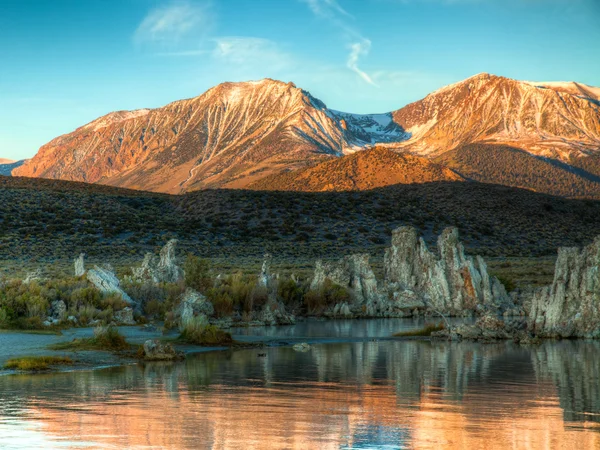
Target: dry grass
105	339
36	363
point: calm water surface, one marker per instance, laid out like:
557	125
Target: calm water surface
342	395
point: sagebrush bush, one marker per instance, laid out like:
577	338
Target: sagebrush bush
197	273
290	292
26	305
329	295
199	333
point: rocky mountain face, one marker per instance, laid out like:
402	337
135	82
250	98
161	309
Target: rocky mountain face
237	134
228	137
551	120
367	169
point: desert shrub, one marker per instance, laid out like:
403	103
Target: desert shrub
329	295
86	314
221	300
197	273
237	292
105	338
199	333
290	292
4	317
258	297
508	283
155	308
86	296
112	301
145	292
110	338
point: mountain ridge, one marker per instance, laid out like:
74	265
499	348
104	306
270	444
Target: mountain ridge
235	134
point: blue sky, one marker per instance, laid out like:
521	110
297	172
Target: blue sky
65	62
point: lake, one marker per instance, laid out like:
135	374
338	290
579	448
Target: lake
350	391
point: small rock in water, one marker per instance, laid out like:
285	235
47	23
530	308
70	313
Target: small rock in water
304	347
154	350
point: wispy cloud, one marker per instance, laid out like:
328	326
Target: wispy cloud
169	24
325	8
245	51
357	50
339	18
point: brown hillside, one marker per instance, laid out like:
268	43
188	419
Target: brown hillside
360	171
510	166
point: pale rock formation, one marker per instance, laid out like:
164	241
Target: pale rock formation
342	310
80	265
58	310
449	282
124	317
274	312
107	282
192	305
302	348
160	269
354	273
36	276
265	278
488	327
154	350
570	307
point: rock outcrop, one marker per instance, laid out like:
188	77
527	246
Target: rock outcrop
36	276
58	310
354	273
107	282
79	264
265	278
570	307
448	282
192	305
124	317
154	350
274	311
160	269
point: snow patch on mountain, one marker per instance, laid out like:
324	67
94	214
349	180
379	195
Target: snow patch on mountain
370	129
569	87
119	116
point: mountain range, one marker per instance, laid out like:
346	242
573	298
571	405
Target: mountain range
272	135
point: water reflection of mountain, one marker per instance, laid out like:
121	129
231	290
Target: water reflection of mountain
417	394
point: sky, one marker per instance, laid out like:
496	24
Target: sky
64	63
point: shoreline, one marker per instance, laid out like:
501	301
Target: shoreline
25	343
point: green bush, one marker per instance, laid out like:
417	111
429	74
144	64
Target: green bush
105	339
199	333
221	300
290	292
197	273
36	363
329	295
